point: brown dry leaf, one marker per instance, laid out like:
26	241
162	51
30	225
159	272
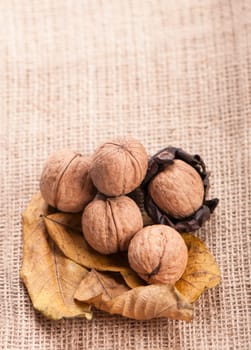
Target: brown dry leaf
65	230
141	303
50	278
146	219
202	271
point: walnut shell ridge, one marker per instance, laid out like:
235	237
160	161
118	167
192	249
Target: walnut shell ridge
65	181
158	254
109	223
119	166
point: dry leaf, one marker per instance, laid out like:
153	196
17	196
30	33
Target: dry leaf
65	230
54	279
141	303
147	220
50	278
202	271
98	288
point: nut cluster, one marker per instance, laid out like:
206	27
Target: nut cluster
174	184
70	181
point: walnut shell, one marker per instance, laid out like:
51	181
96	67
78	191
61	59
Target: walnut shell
109	223
177	190
158	254
159	162
65	181
119	166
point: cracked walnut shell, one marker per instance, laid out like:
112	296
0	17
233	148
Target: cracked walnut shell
119	166
109	223
158	254
65	181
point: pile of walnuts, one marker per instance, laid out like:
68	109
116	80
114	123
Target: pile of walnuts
174	184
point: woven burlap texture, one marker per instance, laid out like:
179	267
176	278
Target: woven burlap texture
75	73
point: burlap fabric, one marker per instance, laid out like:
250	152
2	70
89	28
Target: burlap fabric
74	73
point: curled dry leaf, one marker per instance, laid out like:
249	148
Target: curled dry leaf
65	230
141	303
50	278
202	271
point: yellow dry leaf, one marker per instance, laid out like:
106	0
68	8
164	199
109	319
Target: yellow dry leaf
141	303
99	287
50	278
65	230
53	278
202	271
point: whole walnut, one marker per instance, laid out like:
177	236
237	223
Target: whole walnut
65	181
109	223
158	254
178	190
119	166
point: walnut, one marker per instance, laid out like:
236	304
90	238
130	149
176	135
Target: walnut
158	254
178	189
109	223
65	181
175	190
119	166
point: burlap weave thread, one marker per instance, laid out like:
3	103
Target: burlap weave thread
178	72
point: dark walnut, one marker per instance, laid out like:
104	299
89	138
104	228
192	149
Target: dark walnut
65	181
158	254
175	190
109	223
119	166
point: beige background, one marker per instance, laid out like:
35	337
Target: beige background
74	73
